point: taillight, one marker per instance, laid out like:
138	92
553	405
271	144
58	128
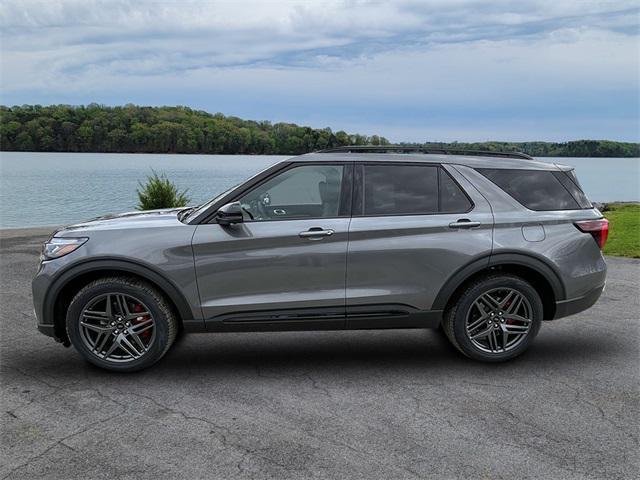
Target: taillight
599	229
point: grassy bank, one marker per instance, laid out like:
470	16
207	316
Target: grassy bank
624	230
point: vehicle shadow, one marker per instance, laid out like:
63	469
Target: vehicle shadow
368	353
425	350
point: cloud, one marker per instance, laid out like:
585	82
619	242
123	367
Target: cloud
453	67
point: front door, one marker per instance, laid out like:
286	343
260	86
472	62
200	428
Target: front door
284	267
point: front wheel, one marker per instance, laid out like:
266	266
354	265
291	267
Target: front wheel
495	318
121	324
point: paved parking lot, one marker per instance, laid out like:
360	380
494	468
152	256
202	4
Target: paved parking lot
362	405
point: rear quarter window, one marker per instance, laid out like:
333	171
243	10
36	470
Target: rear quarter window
535	189
570	182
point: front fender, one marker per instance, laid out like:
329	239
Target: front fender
189	315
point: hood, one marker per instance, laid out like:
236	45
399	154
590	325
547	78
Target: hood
127	220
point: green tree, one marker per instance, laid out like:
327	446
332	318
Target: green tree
132	128
159	192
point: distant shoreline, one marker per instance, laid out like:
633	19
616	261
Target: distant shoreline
130	129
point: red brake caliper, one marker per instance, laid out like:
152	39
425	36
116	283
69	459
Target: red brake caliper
508	320
139	308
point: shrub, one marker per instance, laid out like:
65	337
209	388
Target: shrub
160	192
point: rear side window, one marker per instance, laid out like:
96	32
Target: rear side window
410	190
400	189
535	189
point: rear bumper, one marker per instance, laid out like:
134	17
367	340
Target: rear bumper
572	306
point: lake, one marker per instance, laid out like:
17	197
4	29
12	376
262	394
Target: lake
42	189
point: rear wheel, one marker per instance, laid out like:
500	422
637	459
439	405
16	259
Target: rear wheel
495	318
121	324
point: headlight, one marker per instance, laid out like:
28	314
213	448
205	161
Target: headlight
58	247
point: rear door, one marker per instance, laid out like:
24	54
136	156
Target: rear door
285	265
413	226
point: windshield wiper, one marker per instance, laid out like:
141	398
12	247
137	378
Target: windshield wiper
185	212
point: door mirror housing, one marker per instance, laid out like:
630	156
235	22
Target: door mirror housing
229	214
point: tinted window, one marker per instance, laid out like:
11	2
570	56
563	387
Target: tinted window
400	189
310	191
452	198
570	182
535	189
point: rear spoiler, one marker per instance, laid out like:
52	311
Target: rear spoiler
564	168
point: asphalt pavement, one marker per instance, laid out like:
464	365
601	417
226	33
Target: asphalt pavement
330	405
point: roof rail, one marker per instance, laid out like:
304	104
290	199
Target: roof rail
417	149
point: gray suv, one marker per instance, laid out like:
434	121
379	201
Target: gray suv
483	246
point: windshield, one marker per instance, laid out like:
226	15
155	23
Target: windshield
193	212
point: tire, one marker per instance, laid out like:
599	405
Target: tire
125	312
498	333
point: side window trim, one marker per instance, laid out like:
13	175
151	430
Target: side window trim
344	210
439	187
346	191
358	190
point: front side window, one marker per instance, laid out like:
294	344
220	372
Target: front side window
309	191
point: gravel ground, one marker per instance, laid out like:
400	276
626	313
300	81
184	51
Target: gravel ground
385	404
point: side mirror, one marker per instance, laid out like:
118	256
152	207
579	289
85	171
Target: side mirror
229	214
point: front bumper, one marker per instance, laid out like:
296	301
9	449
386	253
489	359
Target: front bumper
39	287
47	330
564	308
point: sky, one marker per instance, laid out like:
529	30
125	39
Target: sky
431	70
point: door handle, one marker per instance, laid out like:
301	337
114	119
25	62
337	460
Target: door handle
316	233
464	223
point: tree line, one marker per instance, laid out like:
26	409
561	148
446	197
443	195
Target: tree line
136	129
577	148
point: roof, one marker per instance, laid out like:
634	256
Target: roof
473	161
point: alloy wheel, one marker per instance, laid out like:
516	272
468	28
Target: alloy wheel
499	320
117	327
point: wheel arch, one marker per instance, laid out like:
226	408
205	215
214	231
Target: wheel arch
70	281
536	271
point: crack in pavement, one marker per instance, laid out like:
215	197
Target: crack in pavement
580	399
247	450
61	441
